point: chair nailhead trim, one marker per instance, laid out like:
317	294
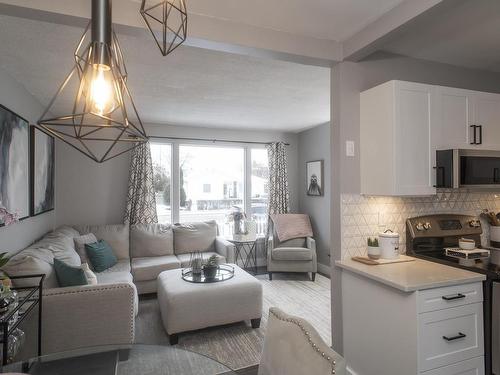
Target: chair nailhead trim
308	336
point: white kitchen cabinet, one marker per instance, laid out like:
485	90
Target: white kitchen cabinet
454	118
396	146
392	332
486	116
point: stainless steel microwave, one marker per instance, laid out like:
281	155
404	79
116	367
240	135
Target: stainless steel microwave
467	168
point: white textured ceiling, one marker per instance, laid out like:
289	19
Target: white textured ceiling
325	19
190	87
461	32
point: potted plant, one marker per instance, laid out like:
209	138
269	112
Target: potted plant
210	268
373	249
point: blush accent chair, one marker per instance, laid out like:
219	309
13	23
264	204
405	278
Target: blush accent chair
293	347
294	255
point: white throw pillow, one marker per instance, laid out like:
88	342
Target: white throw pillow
91	277
80	243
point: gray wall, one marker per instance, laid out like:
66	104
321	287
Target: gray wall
17	236
314	144
348	80
93	193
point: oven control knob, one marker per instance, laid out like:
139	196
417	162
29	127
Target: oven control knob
474	223
427	226
420	227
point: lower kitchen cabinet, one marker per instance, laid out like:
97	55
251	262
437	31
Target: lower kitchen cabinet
388	331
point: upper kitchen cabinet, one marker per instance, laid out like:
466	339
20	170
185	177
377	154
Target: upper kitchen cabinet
396	147
467	119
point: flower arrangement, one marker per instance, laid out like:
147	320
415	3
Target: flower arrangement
8	217
236	214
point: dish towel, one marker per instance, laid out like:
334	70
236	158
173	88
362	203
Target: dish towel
288	226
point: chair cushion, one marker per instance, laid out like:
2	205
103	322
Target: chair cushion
185	259
192	237
292	253
100	255
148	268
68	275
294	242
151	240
117	236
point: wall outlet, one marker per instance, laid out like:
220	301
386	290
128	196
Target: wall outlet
349	148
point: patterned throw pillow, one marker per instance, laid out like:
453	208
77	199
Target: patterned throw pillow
80	242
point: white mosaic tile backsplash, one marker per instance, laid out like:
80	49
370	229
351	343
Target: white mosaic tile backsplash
364	216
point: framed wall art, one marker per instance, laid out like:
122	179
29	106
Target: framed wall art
314	178
14	163
42	172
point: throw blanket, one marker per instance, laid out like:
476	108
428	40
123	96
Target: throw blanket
288	226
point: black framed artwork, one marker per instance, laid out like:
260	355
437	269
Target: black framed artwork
14	163
314	178
42	172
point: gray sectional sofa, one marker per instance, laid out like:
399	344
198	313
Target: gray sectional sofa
102	314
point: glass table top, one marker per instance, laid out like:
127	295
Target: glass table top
123	360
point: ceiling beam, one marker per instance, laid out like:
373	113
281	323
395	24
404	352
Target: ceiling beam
204	31
369	39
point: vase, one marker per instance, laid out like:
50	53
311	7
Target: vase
237	226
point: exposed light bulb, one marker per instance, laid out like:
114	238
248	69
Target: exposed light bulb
101	90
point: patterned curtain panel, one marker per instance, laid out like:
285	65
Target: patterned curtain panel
141	201
279	196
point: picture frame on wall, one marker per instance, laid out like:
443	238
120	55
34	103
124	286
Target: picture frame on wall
314	178
42	172
14	163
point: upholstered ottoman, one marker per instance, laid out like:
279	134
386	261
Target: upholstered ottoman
188	306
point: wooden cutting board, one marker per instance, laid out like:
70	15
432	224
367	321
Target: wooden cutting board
377	262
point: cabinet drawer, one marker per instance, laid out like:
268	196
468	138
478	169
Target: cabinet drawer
474	366
449	336
450	296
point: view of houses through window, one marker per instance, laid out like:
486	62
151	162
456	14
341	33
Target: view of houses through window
210	181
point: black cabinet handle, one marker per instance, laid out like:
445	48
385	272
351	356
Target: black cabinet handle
474	141
480	135
451	298
453	338
495	174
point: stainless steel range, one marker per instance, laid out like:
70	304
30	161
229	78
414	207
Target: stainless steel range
436	238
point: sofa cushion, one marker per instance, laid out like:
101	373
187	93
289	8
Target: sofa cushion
192	237
62	247
117	236
119	273
292	253
100	255
151	240
68	275
185	259
67	231
148	268
28	265
80	242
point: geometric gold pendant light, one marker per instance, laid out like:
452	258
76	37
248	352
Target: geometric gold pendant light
167	21
93	110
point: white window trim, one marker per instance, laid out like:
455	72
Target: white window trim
175	170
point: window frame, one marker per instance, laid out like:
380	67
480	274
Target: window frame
175	169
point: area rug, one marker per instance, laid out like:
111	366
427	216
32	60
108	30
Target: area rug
238	345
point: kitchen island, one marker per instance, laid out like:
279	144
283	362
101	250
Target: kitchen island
408	318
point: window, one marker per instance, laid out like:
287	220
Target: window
260	188
211	182
161	155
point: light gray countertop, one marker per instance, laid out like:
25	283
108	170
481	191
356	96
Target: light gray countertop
412	276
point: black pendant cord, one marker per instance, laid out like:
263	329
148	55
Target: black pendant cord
211	140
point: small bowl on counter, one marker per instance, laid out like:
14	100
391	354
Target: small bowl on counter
466	244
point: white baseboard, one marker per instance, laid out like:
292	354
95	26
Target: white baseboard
324	269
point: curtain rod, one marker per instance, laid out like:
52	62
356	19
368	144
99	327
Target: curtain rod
213	140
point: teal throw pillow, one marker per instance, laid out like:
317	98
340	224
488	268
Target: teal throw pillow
100	255
68	275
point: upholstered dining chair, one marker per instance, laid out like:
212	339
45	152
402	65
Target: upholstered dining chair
293	347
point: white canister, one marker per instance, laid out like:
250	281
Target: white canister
389	244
